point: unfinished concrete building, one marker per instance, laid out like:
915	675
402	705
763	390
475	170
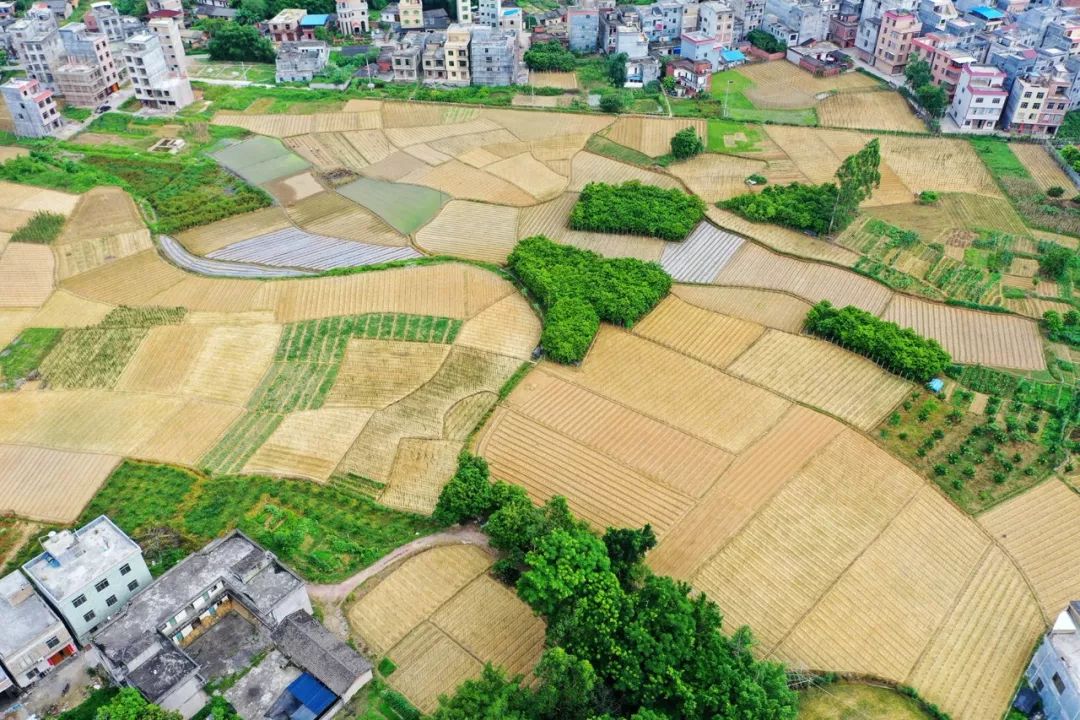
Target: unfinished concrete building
32	107
88	74
301	61
493	57
155	87
167	30
407	57
36	41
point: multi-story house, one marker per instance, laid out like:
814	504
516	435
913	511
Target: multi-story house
456	54
34	641
411	14
103	17
352	17
157	6
1054	672
894	43
1063	34
691	76
87	575
62	9
660	22
717	20
156	87
488	12
936	14
300	61
583	28
90	74
749	14
433	59
796	21
697	47
1037	102
945	58
32	108
285	26
464	10
979	100
870	24
7	10
493	57
844	25
630	40
511	19
988	18
36	41
167	30
407	56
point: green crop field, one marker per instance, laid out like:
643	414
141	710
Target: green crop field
406	208
260	159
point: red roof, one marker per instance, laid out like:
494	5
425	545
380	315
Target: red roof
166	14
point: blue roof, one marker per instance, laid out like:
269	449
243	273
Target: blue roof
511	11
732	55
312	694
987	13
315	20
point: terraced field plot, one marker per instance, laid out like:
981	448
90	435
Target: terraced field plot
406	208
50	485
873	110
260	159
652	136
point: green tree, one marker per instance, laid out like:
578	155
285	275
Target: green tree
1055	261
626	548
686	143
613	101
615	67
1052	322
856	178
467	496
129	704
933	100
235	42
917	73
560	565
567	686
764	41
492	696
550	56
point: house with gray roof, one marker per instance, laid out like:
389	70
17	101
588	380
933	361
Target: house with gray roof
33	640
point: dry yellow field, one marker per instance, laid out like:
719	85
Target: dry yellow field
430	664
12	323
328	213
421	468
29	199
717	177
1042	167
872	110
562	80
26	275
189	434
164	359
652	136
408	596
530	175
402	137
765	307
377	373
133	280
782	239
63	309
940	164
79	256
427	154
479	231
100	212
588	167
208	238
818	373
707	336
309	444
779	84
50	485
1038	529
675	389
529	126
231	363
509	327
283	125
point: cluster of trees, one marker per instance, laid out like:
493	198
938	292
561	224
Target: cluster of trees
686	144
764	41
550	56
1057	262
826	208
932	98
129	704
901	350
1071	154
578	289
638	209
234	42
622	642
615	67
1063	328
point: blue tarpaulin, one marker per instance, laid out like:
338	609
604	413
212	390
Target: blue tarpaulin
312	694
936	385
732	56
314	20
987	13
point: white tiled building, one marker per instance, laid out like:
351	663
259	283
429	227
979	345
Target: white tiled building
155	86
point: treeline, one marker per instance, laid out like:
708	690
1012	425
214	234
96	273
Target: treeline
822	209
638	209
764	41
621	642
578	289
550	56
901	350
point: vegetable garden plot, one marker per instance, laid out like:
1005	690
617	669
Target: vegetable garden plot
406	208
50	485
260	159
701	255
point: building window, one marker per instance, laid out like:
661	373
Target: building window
101	585
125	569
89	616
78	601
1059	684
111	600
52	642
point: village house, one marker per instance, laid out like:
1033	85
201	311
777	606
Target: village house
301	61
33	641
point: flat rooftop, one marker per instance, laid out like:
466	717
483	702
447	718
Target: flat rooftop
23	614
74	559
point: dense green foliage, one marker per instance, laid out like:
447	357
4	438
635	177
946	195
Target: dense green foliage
42	228
1060	328
1071	155
550	56
637	209
1056	262
686	144
1070	129
88	708
239	43
615	67
825	208
24	354
900	350
614	101
933	98
764	41
917	73
617	290
622	642
129	704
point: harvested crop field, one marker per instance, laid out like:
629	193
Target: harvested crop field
63	309
823	375
588	167
970	336
50	485
420	470
101	211
164	359
377	373
431	665
79	256
1043	168
336	216
652	136
952	211
134	280
193	430
717	177
704	335
772	309
509	327
478	231
231	363
753	266
1038	529
208	238
309	444
779	84
464	182
283	125
872	110
530	175
561	80
781	239
26	275
939	164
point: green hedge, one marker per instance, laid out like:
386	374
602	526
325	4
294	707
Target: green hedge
636	208
578	289
799	206
900	350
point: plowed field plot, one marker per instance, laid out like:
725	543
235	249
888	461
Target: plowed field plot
772	309
419	473
940	164
291	247
29	199
309	444
403	137
79	256
701	255
464	182
134	280
873	110
64	309
562	80
1043	168
283	125
791	553
328	213
915	572
779	84
378	373
208	238
552	218
384	614
588	167
988	634
652	136
1039	531
952	212
539	125
193	430
472	230
50	485
26	275
971	336
530	175
509	327
704	402
742	490
164	358
406	208
260	159
707	336
818	373
753	266
100	212
782	239
717	177
432	664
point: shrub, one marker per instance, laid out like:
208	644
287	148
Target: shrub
387	667
550	56
1055	261
757	179
928	197
799	206
1055	191
764	41
613	102
42	228
900	350
686	144
636	208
